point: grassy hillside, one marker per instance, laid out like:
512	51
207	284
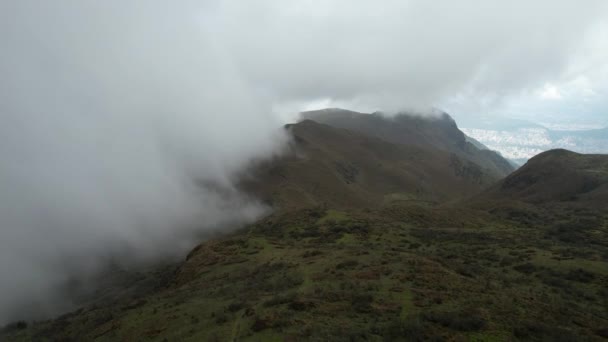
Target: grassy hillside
557	176
365	246
398	273
440	132
345	169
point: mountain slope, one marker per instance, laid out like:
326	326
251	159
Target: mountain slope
358	251
440	132
476	143
346	169
402	273
562	193
557	176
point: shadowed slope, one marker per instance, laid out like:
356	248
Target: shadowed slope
370	264
440	132
342	168
397	274
557	176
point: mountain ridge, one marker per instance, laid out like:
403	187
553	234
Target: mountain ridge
345	168
353	253
440	131
558	175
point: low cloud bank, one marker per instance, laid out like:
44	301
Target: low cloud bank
113	115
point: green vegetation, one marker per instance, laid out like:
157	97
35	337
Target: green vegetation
318	274
369	243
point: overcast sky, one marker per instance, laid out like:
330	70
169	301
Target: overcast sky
472	58
112	110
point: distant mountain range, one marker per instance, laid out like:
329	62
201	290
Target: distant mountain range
384	229
522	140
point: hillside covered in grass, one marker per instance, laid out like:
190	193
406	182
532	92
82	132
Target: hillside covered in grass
331	166
438	131
375	240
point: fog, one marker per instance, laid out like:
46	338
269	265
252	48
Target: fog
114	112
110	115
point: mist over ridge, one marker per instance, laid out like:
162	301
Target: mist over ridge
111	117
125	124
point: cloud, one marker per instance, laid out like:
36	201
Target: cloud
397	53
550	92
112	115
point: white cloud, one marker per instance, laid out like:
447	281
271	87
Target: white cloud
112	116
404	52
550	92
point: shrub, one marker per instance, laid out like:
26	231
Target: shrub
362	302
236	306
300	305
260	324
347	264
280	299
221	318
411	329
312	253
526	268
580	275
554	279
15	326
542	332
602	332
461	321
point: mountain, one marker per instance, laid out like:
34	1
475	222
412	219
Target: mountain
438	131
345	169
476	143
374	238
559	192
558	176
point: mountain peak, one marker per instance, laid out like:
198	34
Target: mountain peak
555	153
440	132
558	175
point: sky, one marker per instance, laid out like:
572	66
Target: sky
539	60
114	112
574	95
